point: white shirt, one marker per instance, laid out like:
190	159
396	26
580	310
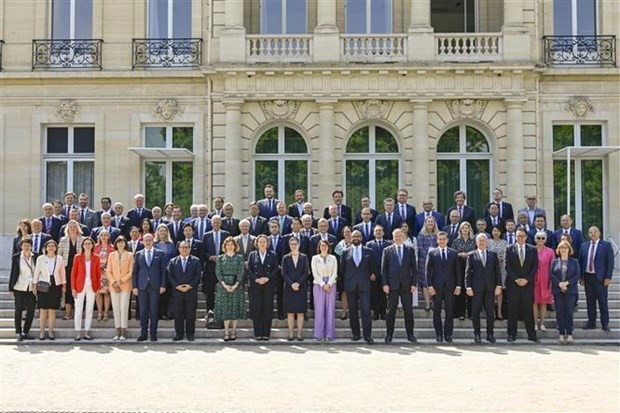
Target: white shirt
88	282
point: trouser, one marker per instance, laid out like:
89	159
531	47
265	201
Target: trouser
483	299
364	304
24	300
149	305
521	301
443	295
378	300
279	294
209	281
564	306
120	307
89	295
185	313
390	318
324	312
165	304
596	292
262	311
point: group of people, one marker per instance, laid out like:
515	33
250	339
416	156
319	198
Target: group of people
373	262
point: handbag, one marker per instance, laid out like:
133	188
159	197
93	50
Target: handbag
44	286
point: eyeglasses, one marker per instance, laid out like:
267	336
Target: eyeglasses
541	239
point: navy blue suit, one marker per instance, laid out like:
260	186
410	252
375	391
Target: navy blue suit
452	235
314	243
505	211
267	208
358	285
483	279
304	244
339	225
278	249
410	215
262	295
521	299
184	302
468	215
373	213
565	301
114	232
378	301
148	279
135	218
576	236
176	235
206	227
387	228
551	241
209	280
421	217
344	212
444	276
54	230
399	276
596	291
285	227
367	235
258	226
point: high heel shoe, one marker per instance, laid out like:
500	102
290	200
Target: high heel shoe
345	315
106	317
99	317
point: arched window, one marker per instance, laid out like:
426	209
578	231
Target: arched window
281	159
372	166
463	163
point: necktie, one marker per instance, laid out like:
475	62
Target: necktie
443	255
494	221
271	204
36	243
274	243
367	226
390	221
244	242
217	243
48	225
117	219
83	218
339	210
461	212
334	225
184	264
501	209
510	239
148	258
254	225
453	230
380	244
591	257
139	213
521	255
403	212
400	255
201	228
483	257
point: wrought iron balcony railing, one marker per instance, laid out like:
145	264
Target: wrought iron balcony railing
580	50
1	43
150	53
66	54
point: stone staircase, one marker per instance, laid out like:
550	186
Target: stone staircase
103	332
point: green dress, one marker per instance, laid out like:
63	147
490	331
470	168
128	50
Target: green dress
229	306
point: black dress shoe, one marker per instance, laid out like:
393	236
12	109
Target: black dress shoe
589	327
411	338
388	339
477	339
191	338
491	338
20	338
153	339
281	317
448	339
439	339
382	316
142	338
356	338
27	336
177	338
370	340
512	339
375	317
606	328
533	339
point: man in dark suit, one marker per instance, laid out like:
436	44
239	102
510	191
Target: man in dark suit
540	226
175	227
137	214
74	215
444	280
357	268
230	224
344	211
322	234
304	242
510	236
336	223
59	212
51	224
405	211
566	227
245	240
70	198
366	227
119	221
505	209
427	206
268	205
258	224
283	219
218	204
483	282
39	238
133	242
531	210
106	224
212	247
296	209
596	260
521	267
106	206
195	246
453	228
492	218
309	210
465	212
365	201
389	220
184	276
307	227
202	223
398	276
87	215
149	282
157	219
378	301
276	245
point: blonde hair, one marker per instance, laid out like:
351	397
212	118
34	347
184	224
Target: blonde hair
156	237
564	244
424	231
468	225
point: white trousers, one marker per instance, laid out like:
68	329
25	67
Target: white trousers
120	307
89	295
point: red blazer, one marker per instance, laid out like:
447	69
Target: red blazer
78	272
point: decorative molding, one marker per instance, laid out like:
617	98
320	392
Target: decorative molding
372	109
279	109
466	108
66	111
167	110
579	106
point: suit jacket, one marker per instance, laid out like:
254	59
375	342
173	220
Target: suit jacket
257	269
100	212
505	211
231	227
316	238
337	232
373	213
139	246
377	252
208	248
399	275
573	273
121	273
205	228
64	246
382	220
266	210
551	242
90	219
277	247
191	275
537	211
123	225
480	277
259	227
577	237
421	217
439	273
15	269
500	223
411	214
468	215
451	236
54	229
155	223
250	246
304	244
313	232
134	217
43	239
215	212
603	259
175	235
78	273
149	277
365	236
293	210
195	249
292	274
357	277
514	269
345	213
285	226
114	232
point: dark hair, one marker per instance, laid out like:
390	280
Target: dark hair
521	229
48	242
507	220
148	222
443	233
540	216
296	219
321	242
27	223
106	198
499	227
457	193
92	242
119	239
188	224
337	191
25	240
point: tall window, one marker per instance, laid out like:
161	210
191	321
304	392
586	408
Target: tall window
69	158
586	175
463	163
372	166
574	17
284	17
281	159
170	19
449	16
166	179
72	19
369	16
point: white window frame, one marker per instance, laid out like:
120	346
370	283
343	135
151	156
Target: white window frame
372	157
369	18
168	128
72	14
283	6
574	21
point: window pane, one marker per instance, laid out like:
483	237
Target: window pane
183	137
84	140
562	17
84	19
61	19
154	137
448	16
560	183
158	19
84	177
182	19
586	17
356	16
359	141
296	17
271	17
449	141
448	182
268	142
475	141
386	175
591	135
57	140
381	16
56	180
384	141
592	193
155	183
294	142
563	136
265	172
357	182
478	184
182	184
295	177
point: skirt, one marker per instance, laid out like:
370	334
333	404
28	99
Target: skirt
51	299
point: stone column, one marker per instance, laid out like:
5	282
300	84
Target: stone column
420	163
515	154
421	39
232	36
513	13
516	38
326	35
233	168
327	133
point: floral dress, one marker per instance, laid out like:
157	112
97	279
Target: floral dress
103	253
230	270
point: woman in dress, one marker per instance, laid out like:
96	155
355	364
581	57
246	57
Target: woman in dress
463	244
163	241
23	230
262	270
295	267
229	294
564	275
345	242
427	239
103	249
85	282
542	283
70	245
120	272
50	269
324	274
145	228
498	246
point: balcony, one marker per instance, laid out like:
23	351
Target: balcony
468	47
279	48
66	54
166	53
580	50
1	43
374	48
